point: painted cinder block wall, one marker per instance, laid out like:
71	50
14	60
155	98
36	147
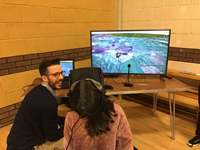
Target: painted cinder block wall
181	16
33	30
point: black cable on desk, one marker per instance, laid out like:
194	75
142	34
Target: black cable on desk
113	81
116	82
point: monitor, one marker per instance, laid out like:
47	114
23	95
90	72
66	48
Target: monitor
144	51
67	65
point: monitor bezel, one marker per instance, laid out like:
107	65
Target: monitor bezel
114	74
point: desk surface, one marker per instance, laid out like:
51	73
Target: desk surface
141	84
183	75
145	84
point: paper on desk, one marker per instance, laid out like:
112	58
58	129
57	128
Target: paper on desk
186	72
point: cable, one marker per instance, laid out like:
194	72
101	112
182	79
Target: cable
116	82
27	86
72	133
107	80
113	81
126	80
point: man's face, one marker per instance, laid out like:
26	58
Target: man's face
54	76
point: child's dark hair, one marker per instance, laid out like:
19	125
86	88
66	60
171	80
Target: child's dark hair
99	122
46	63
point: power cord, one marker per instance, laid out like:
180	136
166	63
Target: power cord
72	133
113	81
107	80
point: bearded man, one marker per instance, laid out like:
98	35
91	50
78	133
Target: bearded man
37	124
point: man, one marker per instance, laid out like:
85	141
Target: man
37	124
196	140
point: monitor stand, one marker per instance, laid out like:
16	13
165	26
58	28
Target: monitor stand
165	76
110	75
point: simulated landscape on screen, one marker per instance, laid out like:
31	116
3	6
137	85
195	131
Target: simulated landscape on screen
66	65
145	51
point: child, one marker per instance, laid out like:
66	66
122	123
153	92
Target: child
102	126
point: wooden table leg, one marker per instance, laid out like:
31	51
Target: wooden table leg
154	103
120	96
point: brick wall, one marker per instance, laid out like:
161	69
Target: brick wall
7	114
15	64
184	55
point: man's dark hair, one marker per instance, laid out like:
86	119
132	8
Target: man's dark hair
46	63
99	122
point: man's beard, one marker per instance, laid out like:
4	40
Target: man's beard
53	84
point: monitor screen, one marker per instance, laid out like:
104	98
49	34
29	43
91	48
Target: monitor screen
67	65
144	51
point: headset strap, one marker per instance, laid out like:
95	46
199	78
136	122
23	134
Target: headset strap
82	93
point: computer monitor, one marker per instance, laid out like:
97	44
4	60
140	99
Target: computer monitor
67	65
146	51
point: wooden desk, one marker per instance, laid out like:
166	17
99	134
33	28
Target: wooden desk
192	76
141	84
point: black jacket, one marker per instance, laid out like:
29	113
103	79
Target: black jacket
35	121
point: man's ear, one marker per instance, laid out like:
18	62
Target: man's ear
44	78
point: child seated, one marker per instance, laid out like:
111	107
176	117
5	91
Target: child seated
102	126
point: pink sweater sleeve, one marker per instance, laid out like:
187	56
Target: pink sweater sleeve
69	122
66	134
124	131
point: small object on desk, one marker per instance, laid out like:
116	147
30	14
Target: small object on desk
197	74
107	86
166	76
186	72
128	85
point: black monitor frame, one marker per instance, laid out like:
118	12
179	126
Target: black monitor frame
134	31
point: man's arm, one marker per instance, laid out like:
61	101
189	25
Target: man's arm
61	120
50	122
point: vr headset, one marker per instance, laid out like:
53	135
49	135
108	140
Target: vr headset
93	74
